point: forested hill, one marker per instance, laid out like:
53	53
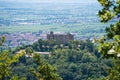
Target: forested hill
74	61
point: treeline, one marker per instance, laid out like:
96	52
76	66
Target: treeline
46	45
75	60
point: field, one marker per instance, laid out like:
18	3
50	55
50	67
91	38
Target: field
90	29
73	17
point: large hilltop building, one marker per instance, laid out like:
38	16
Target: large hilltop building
64	38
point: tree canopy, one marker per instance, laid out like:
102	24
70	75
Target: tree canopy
44	71
110	43
6	61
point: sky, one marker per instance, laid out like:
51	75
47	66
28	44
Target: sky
52	1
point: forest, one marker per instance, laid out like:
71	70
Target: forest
73	61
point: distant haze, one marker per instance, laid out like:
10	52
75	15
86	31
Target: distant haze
54	1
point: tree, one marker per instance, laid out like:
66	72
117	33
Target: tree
6	61
110	43
44	71
29	50
2	40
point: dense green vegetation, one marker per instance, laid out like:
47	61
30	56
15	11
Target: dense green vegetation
18	67
76	65
6	62
44	70
110	43
75	60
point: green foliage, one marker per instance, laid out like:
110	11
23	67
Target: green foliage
6	62
79	60
16	78
29	50
45	71
114	72
75	64
2	40
110	44
22	68
46	45
110	9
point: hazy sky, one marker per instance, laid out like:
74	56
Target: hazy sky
71	1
